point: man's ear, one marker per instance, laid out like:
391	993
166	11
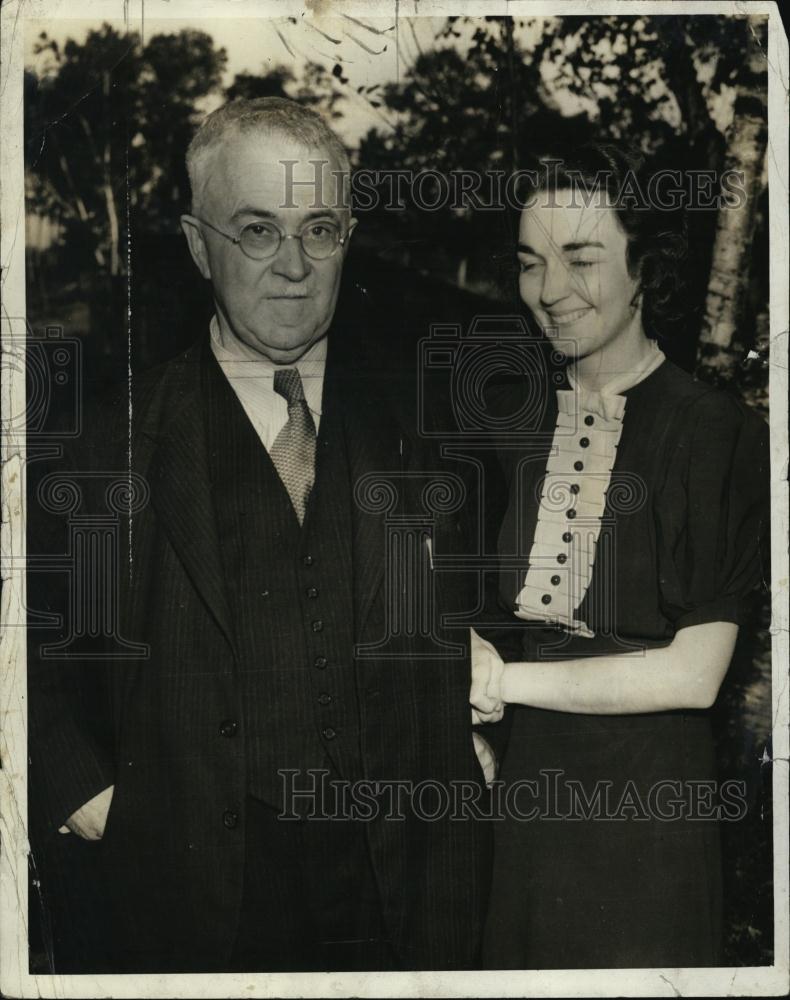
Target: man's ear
197	246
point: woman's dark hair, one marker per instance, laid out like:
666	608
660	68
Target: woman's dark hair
621	177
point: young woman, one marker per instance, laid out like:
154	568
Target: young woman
634	522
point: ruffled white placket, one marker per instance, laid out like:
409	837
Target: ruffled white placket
573	497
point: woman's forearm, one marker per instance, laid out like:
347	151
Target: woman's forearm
685	674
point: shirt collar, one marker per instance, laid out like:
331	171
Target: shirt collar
240	361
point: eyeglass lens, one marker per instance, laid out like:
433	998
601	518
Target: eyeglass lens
319	240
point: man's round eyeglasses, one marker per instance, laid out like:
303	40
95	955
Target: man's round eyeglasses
259	240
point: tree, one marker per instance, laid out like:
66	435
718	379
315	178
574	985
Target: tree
721	341
107	125
318	88
250	86
76	150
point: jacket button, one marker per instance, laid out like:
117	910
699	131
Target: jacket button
329	733
230	819
319	662
312	592
584	442
229	727
308	560
318	626
589	420
324	698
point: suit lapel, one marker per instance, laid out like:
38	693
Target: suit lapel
180	481
376	448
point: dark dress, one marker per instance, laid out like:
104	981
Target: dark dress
679	546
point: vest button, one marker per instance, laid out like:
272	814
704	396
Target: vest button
589	421
319	662
318	625
230	819
308	560
584	442
229	727
324	698
329	733
312	592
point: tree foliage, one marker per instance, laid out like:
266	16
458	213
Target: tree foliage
106	128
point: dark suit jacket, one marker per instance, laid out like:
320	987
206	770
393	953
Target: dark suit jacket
164	885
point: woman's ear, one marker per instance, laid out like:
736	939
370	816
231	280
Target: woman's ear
197	246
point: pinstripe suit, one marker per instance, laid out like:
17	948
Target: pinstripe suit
166	882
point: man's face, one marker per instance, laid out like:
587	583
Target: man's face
281	305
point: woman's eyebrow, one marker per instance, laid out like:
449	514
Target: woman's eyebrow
570	247
566	247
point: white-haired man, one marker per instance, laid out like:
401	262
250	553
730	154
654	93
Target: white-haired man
257	581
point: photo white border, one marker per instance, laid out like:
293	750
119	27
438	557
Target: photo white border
15	981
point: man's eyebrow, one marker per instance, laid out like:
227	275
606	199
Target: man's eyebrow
263	213
259	213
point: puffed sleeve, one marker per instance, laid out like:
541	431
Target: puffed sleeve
714	513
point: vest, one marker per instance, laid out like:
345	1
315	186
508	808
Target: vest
290	590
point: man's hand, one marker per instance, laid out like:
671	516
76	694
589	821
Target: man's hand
485	695
485	757
90	820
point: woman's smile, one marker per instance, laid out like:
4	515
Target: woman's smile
567	318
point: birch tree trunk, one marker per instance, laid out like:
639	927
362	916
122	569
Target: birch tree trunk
109	196
719	345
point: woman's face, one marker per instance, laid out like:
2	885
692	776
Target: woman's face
573	273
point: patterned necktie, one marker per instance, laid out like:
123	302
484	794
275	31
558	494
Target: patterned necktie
293	451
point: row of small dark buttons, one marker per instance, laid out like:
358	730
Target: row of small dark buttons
229	727
567	536
320	662
570	514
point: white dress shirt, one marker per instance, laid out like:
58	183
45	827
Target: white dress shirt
251	376
573	498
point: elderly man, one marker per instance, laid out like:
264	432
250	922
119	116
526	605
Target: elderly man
260	584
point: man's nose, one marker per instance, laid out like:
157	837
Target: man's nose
290	261
556	282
